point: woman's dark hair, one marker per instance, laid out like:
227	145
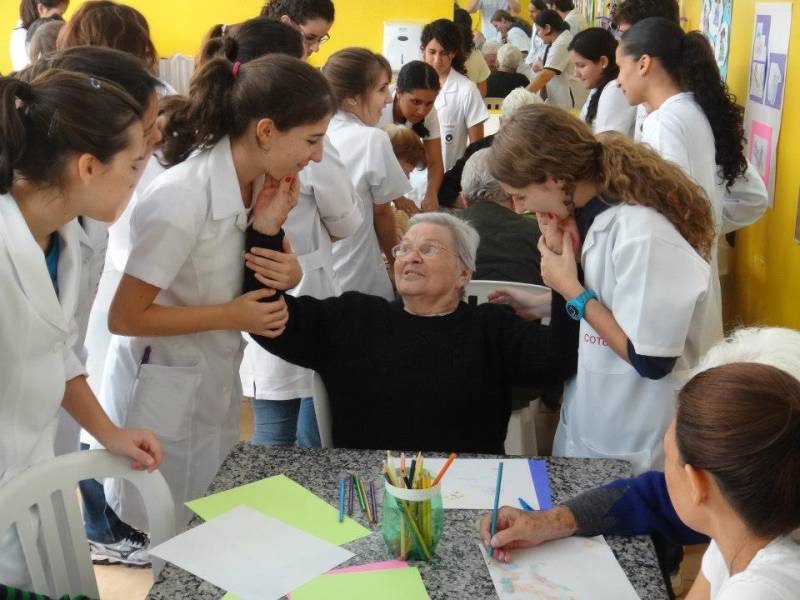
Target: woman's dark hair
106	23
28	9
353	72
417	75
299	11
550	18
252	39
741	423
225	101
539	4
593	44
689	60
504	15
633	11
562	5
121	68
463	21
449	37
57	115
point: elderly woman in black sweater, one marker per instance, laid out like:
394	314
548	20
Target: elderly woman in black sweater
427	371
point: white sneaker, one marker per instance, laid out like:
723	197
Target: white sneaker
130	551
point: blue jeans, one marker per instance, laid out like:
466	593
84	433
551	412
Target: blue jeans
285	422
99	520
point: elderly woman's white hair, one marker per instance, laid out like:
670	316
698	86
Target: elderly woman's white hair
464	235
509	57
489	47
777	347
515	100
477	184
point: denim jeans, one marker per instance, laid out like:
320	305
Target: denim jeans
99	520
285	422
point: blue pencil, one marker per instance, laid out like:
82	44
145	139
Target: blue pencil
341	500
525	505
496	504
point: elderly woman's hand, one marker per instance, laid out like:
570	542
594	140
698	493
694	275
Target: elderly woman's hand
519	529
276	270
528	305
559	271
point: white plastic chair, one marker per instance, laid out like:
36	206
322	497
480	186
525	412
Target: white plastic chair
48	491
322	410
521	436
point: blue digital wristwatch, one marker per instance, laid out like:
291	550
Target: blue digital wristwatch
576	308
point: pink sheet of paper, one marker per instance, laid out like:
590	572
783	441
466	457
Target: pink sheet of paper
376	566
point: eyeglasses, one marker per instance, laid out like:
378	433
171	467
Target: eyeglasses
309	38
425	249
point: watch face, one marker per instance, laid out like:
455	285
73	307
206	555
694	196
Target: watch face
573	311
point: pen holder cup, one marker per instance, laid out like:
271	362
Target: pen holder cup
412	521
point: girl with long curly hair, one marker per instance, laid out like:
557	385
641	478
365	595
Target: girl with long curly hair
642	233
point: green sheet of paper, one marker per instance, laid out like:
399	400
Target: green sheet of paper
389	584
287	500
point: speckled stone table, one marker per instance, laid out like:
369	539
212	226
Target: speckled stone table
458	571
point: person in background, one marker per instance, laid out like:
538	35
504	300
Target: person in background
487	9
41	38
29	12
506	78
573	17
643	505
410	153
451	184
509	242
313	19
555	82
593	54
459	104
626	213
72	145
478	69
535	57
489	51
631	12
512	30
360	82
412	105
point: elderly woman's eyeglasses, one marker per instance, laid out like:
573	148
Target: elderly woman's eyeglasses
425	249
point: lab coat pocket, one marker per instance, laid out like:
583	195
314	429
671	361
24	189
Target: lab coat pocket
162	400
596	355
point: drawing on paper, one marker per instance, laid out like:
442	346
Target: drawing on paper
761	149
715	23
776	76
757	77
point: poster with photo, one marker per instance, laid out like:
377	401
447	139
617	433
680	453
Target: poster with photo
715	23
768	72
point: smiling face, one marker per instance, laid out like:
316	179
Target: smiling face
440	59
501	25
435	277
290	151
546	34
546	197
589	72
416	104
631	77
314	32
368	107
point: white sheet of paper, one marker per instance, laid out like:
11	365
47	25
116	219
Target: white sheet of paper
470	483
252	555
570	569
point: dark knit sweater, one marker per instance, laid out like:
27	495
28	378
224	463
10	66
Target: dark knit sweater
396	380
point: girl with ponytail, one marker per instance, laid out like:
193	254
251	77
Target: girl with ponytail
642	233
236	144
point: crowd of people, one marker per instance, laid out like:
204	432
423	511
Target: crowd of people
164	255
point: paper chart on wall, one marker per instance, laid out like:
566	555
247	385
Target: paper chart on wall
715	23
569	569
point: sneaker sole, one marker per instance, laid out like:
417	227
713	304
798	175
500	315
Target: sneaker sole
105	560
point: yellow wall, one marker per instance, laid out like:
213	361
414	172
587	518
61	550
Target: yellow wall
179	25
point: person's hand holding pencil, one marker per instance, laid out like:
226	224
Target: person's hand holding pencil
521	529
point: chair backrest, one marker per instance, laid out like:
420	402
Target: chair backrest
322	410
47	493
493	103
477	291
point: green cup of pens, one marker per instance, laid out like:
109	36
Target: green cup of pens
413	517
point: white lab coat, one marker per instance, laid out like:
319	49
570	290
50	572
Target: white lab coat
614	113
477	68
656	286
517	37
459	106
431	121
745	202
187	238
377	178
37	335
563	90
577	22
679	131
18	48
326	207
488	8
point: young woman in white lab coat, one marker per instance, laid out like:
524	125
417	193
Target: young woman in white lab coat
694	121
593	53
412	105
360	82
177	314
70	145
644	235
30	11
556	82
459	105
283	410
571	15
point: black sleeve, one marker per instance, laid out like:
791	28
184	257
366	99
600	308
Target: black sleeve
651	367
451	184
541	355
255	239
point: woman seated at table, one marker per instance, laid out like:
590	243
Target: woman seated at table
505	78
732	473
428	371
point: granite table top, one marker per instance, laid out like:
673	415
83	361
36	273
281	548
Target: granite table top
458	571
